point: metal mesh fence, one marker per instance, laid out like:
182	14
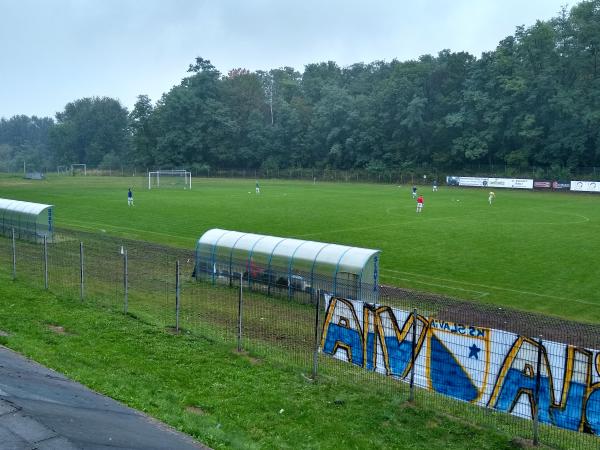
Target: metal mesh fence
412	175
531	376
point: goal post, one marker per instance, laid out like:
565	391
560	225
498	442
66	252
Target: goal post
80	167
170	178
62	170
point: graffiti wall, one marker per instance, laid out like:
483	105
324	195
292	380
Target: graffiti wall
487	367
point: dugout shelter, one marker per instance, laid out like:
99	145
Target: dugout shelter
287	265
31	221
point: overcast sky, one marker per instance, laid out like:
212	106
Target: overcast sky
56	51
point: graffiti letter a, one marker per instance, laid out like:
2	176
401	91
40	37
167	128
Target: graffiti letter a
515	386
342	332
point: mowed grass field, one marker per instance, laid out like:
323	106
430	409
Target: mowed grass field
537	251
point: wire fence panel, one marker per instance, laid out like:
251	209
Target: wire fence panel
64	265
278	321
6	255
411	175
29	262
532	376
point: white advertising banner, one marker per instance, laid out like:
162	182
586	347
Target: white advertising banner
473	181
511	183
585	186
467	181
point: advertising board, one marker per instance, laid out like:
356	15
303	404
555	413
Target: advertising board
510	183
542	184
467	181
561	185
585	186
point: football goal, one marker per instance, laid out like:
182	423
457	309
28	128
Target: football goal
170	178
62	170
78	169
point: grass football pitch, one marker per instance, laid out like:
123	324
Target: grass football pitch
537	251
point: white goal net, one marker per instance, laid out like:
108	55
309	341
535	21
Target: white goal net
79	169
170	179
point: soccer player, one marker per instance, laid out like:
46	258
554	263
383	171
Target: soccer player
129	197
434	185
419	203
257	188
491	198
414	191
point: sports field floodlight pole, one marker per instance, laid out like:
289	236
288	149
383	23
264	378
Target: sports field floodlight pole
240	311
81	270
125	279
315	366
14	255
536	393
177	294
413	356
45	262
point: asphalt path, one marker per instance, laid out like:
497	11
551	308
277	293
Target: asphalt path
42	409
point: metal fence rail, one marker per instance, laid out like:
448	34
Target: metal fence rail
532	376
405	175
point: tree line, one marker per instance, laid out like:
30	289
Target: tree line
534	101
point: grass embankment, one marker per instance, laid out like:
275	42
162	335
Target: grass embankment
224	399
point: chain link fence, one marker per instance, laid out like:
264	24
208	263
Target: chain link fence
408	175
531	376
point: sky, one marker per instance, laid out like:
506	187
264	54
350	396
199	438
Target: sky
54	52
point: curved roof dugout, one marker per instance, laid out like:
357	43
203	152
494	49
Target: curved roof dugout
340	269
29	220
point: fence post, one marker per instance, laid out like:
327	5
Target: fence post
413	357
240	306
45	262
81	270
177	288
536	397
125	281
14	255
317	337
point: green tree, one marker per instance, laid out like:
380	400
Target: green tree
192	124
142	129
24	140
88	130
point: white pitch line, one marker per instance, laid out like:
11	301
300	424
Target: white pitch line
349	229
481	293
587	219
517	291
407	223
93	226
